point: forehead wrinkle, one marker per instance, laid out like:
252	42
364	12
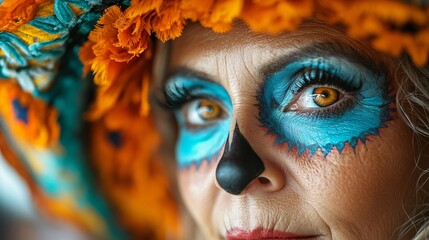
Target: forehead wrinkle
189	72
251	68
242	83
324	49
196	35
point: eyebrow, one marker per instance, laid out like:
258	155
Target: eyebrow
322	49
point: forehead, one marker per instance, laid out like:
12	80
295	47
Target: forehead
241	53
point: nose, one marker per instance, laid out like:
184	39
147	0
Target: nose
241	167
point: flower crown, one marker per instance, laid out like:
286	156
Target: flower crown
45	52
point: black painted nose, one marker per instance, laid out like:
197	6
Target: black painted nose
239	165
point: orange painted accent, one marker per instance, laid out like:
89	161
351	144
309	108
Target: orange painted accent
42	129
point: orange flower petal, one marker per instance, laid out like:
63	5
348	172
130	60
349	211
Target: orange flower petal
276	17
169	23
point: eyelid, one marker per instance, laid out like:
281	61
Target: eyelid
179	90
189	73
322	74
316	76
195	82
285	79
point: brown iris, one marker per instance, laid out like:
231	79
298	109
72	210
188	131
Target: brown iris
325	96
209	110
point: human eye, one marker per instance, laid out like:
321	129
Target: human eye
203	111
321	94
196	104
323	103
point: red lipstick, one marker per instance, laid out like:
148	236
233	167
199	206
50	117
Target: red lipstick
260	233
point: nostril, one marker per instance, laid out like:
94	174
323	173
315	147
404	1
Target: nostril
264	180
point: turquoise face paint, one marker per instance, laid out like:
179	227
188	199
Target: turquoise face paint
203	139
361	112
115	138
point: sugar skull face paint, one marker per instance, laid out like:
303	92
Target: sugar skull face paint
310	89
203	111
323	102
239	165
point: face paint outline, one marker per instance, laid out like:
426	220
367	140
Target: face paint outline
339	67
194	88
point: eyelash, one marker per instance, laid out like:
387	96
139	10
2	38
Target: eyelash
175	99
324	78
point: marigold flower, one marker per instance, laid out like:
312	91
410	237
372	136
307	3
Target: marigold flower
194	9
28	118
116	39
222	14
108	46
169	23
133	34
140	8
392	27
15	13
394	43
276	16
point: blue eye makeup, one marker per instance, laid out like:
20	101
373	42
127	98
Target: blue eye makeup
203	111
323	102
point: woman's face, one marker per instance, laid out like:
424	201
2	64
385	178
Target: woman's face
289	136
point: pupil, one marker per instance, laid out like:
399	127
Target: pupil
208	108
325	94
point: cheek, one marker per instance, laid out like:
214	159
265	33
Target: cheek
366	186
198	190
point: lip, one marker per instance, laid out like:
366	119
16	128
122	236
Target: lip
261	233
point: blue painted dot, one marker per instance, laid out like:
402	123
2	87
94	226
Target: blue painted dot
115	138
21	113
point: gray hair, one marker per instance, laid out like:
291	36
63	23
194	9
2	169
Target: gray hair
412	100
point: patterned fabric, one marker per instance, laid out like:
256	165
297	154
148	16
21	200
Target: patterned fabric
71	172
30	51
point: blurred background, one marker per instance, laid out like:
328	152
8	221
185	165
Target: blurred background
19	219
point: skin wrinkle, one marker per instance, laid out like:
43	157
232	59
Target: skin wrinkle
328	234
241	98
249	64
187	72
352	195
325	33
